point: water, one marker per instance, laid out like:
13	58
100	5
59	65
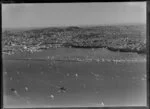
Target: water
93	77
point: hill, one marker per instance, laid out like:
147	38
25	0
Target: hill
124	38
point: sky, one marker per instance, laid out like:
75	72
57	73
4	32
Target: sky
72	14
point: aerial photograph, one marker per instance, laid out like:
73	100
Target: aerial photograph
74	54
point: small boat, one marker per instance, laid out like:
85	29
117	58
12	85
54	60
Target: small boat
62	89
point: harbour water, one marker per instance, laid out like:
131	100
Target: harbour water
90	77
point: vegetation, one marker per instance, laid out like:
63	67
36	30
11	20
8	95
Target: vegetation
124	38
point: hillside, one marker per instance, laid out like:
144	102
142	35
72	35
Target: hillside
124	38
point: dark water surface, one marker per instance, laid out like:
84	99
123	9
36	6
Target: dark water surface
95	77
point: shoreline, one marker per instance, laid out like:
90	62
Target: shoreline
131	38
37	49
113	49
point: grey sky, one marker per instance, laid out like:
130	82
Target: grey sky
66	14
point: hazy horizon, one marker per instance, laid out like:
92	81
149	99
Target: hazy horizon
72	14
72	26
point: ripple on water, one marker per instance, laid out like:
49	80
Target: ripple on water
26	89
5	73
11	78
51	96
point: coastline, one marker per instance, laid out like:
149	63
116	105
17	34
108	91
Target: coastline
114	38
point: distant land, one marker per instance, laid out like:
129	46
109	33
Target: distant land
119	37
29	28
